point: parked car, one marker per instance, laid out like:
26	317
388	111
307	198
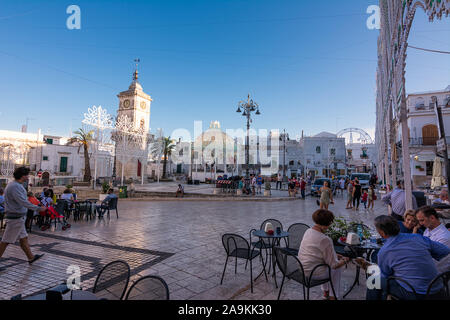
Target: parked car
318	183
364	179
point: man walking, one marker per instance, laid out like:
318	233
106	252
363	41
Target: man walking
16	207
397	200
279	181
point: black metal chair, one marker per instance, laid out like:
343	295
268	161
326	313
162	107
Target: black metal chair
112	281
398	279
238	247
81	208
445	278
112	205
296	233
148	288
292	269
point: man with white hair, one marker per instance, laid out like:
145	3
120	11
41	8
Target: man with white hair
443	198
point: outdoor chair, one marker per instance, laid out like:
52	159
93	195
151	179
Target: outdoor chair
112	281
239	248
445	278
292	269
399	280
296	233
148	288
112	205
81	208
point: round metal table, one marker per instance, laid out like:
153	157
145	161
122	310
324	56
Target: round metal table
366	246
274	240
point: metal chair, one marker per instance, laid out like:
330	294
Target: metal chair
388	287
445	278
238	247
296	233
292	269
112	281
81	208
112	205
148	288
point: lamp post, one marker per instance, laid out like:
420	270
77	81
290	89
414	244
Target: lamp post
284	137
248	106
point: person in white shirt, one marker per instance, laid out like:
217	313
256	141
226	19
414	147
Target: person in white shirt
342	185
253	183
443	198
436	231
317	248
67	195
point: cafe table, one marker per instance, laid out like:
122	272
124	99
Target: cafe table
366	246
272	241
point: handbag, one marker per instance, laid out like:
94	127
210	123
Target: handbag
375	197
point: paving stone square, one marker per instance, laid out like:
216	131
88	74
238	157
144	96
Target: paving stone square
177	240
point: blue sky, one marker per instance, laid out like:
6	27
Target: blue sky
309	64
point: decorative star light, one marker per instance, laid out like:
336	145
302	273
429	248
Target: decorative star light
99	118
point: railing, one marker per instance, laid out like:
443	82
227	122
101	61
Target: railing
426	141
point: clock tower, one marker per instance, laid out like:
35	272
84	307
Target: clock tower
135	104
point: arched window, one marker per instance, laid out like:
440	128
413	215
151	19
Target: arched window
430	135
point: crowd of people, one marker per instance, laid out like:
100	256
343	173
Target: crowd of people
415	250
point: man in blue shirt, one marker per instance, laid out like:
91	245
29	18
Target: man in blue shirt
409	257
396	199
101	208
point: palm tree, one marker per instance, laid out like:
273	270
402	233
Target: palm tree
168	147
83	138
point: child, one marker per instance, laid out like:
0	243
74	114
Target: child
372	197
364	198
47	201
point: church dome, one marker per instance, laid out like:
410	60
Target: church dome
214	136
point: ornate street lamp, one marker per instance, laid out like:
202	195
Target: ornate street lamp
248	106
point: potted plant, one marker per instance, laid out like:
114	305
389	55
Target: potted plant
338	229
104	194
341	227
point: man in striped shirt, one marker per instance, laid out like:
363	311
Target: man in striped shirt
397	200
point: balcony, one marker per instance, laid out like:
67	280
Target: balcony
426	141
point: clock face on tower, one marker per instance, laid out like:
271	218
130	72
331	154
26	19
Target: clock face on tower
126	104
143	105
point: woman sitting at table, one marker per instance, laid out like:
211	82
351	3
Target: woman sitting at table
410	223
317	248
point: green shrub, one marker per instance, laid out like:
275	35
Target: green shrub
105	187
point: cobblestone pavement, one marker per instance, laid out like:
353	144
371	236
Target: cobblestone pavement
206	189
179	241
